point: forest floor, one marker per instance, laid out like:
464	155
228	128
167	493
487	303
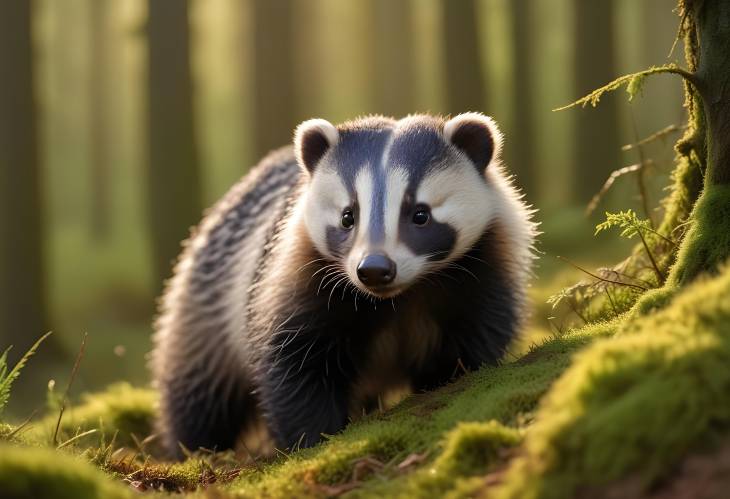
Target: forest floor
637	406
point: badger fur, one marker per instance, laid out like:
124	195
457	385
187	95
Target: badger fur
372	254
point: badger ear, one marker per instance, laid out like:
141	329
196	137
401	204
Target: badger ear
475	135
312	139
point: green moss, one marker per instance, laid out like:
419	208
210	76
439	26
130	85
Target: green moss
635	403
469	450
653	300
471	447
5	430
121	409
34	473
707	243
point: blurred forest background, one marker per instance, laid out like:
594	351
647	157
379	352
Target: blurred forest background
121	120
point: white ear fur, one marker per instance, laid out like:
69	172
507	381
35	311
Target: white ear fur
463	120
312	139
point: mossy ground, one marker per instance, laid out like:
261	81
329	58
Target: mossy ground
627	398
34	472
634	403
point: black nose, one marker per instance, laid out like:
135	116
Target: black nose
376	270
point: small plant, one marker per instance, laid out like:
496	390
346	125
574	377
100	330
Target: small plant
631	225
626	220
8	377
610	293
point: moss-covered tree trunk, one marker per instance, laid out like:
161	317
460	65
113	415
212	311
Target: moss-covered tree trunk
712	25
705	149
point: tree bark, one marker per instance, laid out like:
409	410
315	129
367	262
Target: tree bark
712	21
465	88
274	106
173	176
597	143
705	148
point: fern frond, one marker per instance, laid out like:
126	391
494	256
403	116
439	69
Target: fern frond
7	378
628	221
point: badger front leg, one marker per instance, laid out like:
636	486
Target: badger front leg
304	388
203	408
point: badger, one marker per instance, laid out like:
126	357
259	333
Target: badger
373	254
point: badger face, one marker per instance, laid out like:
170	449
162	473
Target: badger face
390	202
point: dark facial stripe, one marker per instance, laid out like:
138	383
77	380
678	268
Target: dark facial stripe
339	241
365	148
356	149
418	150
434	239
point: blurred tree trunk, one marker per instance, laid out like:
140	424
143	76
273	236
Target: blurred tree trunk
522	154
274	106
597	143
393	51
23	307
465	88
173	190
99	129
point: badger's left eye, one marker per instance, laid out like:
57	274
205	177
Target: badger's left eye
422	215
348	219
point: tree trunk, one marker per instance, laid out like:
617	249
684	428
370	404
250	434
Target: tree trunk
98	125
522	154
465	88
23	307
394	64
597	143
712	20
706	145
274	106
173	190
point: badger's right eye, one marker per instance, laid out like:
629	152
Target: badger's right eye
348	219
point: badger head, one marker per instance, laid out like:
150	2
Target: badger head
390	202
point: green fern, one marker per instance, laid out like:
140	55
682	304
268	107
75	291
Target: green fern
7	378
630	224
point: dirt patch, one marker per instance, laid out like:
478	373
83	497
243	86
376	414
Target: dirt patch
532	356
423	404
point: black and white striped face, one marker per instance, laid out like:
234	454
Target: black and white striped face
392	201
